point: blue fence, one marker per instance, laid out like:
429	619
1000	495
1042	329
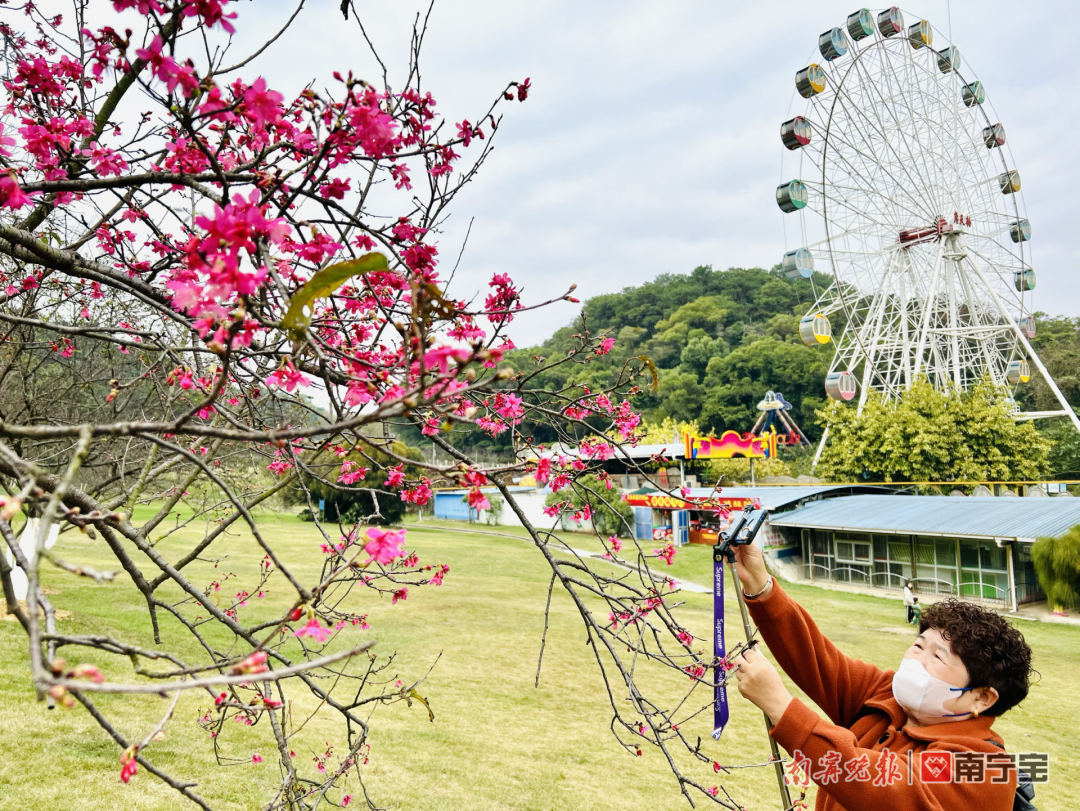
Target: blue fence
450	505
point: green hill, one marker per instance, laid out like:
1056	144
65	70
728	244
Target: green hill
720	339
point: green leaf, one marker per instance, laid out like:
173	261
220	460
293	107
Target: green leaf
422	700
322	284
654	385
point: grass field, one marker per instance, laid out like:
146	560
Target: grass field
497	741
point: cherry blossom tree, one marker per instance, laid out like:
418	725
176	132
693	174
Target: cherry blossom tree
186	257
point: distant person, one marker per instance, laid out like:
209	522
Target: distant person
909	599
916	611
966	667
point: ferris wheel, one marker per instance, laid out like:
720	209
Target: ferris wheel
903	189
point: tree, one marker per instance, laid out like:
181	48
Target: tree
494	511
369	498
1064	448
930	435
666	431
1057	341
610	515
184	254
173	281
737	382
1057	565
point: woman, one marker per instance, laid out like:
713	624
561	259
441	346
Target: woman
884	731
909	599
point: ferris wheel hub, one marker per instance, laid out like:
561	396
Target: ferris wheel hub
916	235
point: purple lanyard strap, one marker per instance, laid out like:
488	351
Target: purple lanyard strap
720	702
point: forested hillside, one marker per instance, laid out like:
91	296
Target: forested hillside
720	340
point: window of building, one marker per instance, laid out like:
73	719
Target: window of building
984	573
935	565
853	558
818	554
852	551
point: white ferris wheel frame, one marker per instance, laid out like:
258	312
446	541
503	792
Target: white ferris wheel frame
913	223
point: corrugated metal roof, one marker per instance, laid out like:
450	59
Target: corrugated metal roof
940	515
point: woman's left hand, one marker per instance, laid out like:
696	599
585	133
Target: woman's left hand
761	684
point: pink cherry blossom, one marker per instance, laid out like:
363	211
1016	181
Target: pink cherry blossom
394	476
543	470
420	494
667	553
211	12
287	378
262	106
128	765
315	630
437	578
384	545
478	501
351	472
11	194
335	189
104	160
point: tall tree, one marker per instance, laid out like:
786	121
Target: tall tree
184	252
1057	565
930	435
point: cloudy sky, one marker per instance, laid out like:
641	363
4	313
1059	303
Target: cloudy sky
650	141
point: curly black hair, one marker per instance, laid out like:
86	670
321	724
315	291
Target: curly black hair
994	652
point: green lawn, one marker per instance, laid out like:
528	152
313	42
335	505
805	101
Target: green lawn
497	742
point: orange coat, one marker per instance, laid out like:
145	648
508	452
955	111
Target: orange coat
863	718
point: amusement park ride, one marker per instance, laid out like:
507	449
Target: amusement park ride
904	189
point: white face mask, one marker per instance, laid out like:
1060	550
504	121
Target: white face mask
923	696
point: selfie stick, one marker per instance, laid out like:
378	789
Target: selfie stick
740	532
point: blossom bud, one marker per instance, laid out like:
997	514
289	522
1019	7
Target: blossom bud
61	696
57	666
255	663
11	509
87	671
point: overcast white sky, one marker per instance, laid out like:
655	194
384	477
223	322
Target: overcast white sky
650	142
